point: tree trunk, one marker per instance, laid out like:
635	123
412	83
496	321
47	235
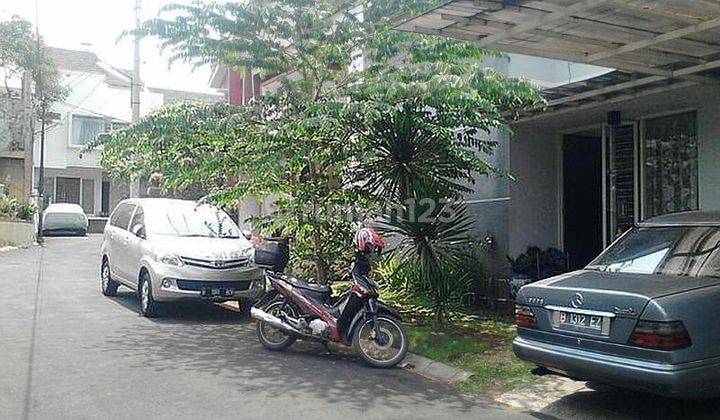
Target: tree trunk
439	316
320	269
438	320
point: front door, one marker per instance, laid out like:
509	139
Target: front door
118	239
134	248
67	190
582	198
620	183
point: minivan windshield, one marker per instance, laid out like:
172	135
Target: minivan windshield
191	221
692	251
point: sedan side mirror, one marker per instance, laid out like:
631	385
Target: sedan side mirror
247	234
138	230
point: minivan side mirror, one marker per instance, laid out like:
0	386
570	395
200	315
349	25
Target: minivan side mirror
138	230
247	234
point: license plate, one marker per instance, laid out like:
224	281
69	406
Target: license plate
215	293
594	324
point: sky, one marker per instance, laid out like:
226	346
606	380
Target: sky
70	23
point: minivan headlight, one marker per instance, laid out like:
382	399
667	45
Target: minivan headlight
170	259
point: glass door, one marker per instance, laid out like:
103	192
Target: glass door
620	180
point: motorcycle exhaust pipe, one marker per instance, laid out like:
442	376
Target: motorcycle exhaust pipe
276	322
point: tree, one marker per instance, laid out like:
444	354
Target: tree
425	126
332	139
21	52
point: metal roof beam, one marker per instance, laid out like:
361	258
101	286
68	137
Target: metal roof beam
578	57
617	99
636	83
541	21
487	20
678	33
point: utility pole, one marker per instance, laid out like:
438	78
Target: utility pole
135	90
135	87
41	169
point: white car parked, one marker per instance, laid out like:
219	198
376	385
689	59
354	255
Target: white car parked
169	250
64	219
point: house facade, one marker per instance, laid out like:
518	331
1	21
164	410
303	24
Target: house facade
98	102
637	139
16	127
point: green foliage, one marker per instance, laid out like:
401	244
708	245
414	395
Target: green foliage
479	345
20	52
12	209
405	284
26	211
428	121
313	39
334	145
8	206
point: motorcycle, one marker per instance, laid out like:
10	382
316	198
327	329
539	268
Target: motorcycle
294	308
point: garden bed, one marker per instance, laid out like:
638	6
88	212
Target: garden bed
482	347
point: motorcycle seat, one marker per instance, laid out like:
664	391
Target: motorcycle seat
302	284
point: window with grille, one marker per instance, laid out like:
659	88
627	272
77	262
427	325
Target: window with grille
670	160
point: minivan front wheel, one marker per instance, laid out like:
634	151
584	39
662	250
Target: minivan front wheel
148	305
108	286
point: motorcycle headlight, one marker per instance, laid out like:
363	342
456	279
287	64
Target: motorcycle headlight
169	259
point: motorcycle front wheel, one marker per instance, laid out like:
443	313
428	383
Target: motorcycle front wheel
273	338
383	349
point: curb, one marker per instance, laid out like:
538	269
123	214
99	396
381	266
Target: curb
434	370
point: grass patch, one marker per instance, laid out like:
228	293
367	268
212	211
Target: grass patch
482	346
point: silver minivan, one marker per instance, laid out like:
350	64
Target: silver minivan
170	250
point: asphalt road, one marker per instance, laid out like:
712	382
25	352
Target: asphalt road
66	351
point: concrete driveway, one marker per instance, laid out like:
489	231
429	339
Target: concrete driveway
66	351
553	397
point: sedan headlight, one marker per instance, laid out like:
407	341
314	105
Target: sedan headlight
169	259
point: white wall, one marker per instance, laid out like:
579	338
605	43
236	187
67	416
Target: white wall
16	233
88	95
533	213
709	150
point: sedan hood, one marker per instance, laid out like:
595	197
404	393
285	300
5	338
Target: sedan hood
202	248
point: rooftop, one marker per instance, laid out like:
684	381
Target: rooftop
88	62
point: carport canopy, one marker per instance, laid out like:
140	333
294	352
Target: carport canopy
653	45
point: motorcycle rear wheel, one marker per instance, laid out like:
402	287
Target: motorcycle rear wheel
273	338
383	352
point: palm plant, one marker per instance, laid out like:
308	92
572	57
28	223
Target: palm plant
434	244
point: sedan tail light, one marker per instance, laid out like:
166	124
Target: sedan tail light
524	317
660	335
